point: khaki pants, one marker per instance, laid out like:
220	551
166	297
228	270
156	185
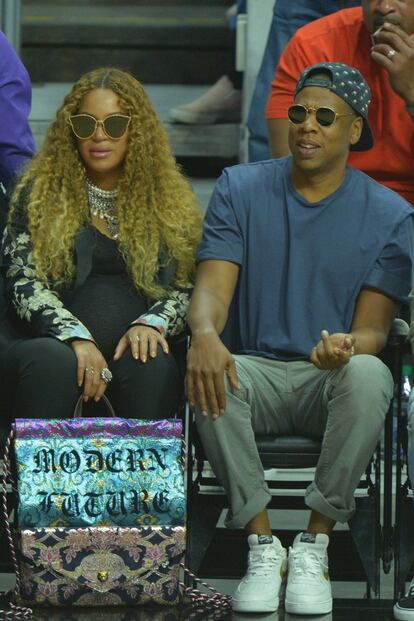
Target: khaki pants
346	407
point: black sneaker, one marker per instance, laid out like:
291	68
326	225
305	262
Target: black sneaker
404	608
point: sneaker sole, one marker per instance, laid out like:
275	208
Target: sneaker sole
403	615
315	608
246	606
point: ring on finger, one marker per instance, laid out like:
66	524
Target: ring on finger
106	375
391	53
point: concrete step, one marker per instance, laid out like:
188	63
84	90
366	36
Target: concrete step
65	3
220	140
206	143
171	43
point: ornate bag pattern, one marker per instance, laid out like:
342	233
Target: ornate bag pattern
144	613
99	471
100	566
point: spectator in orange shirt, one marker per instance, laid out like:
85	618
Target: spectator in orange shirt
378	39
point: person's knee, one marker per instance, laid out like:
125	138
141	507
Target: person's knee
153	388
46	360
162	367
368	383
368	373
42	379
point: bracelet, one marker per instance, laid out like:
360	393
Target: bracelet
145	325
410	109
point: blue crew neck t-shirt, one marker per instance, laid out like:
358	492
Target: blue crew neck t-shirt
302	264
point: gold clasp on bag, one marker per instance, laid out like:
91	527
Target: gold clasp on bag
103	576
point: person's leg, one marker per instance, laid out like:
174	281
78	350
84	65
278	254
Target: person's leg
410	436
357	398
150	390
231	449
229	441
349	409
404	607
41	377
221	103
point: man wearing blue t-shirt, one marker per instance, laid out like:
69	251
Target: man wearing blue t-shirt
302	267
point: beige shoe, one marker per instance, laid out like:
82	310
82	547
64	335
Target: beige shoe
220	104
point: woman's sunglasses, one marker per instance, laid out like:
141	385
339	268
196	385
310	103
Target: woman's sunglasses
325	116
84	125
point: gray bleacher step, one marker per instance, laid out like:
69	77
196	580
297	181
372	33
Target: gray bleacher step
171	43
221	140
223	3
208	141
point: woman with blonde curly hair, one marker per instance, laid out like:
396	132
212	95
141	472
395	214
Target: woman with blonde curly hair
98	256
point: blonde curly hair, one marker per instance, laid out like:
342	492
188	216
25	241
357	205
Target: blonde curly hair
156	207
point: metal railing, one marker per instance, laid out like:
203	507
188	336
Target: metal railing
10	20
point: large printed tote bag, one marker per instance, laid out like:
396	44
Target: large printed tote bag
99	472
101	513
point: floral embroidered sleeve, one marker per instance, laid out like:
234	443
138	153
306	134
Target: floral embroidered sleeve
32	301
168	316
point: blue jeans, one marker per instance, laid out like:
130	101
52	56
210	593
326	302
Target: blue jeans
288	16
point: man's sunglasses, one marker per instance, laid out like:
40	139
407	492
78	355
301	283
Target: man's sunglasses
84	125
325	116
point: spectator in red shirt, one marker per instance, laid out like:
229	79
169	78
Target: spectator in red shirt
378	40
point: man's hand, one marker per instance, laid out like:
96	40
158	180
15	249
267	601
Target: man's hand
394	50
207	362
332	351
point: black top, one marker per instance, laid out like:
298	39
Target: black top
107	302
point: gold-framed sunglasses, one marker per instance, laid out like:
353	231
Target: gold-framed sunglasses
325	116
85	125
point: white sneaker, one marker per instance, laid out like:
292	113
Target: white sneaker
308	589
259	590
221	103
404	608
294	617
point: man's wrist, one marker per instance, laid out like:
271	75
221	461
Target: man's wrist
203	332
409	102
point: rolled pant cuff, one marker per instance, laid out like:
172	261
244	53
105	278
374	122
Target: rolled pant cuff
316	501
253	507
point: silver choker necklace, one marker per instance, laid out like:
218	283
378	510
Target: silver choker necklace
102	204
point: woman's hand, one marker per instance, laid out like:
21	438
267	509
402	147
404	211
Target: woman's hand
143	342
90	364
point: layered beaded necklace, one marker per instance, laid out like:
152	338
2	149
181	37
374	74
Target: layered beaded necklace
102	204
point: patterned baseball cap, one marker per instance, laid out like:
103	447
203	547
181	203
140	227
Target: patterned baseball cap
349	84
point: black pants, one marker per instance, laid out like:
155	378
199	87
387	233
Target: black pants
40	382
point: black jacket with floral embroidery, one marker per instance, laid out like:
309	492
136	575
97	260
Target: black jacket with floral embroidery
42	311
